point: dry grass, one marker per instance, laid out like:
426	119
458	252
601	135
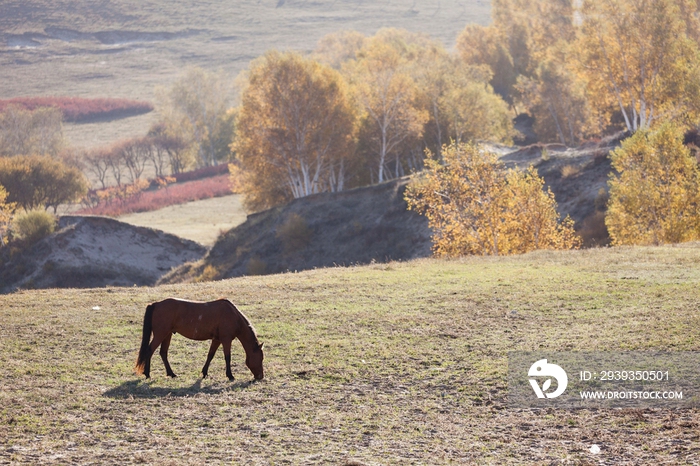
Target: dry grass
567	171
400	363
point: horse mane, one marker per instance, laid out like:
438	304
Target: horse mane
250	327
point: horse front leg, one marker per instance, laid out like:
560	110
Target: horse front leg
227	356
164	355
155	343
212	351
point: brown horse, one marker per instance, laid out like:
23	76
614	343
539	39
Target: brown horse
219	321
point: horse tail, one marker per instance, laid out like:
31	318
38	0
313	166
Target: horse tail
144	352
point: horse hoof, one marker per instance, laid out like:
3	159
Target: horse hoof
172	375
230	379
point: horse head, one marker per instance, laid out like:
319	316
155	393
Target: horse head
254	361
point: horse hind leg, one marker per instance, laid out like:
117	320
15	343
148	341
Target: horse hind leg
212	351
157	339
164	355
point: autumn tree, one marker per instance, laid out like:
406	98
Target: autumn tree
40	181
195	107
485	45
133	154
475	206
475	112
655	197
96	162
295	129
556	98
639	60
518	40
461	104
25	132
388	96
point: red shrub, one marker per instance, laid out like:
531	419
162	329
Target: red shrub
146	201
79	109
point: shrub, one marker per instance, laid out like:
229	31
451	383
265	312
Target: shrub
127	199
6	210
568	171
294	233
210	273
475	206
654	199
206	172
33	225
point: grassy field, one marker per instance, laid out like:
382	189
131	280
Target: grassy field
125	48
400	363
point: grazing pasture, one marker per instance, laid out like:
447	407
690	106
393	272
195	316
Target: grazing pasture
399	363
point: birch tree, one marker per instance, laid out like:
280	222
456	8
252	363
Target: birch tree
638	60
25	132
295	129
556	98
388	96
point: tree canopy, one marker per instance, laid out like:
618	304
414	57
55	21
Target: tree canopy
296	127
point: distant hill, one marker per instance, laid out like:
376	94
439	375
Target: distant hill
95	252
350	227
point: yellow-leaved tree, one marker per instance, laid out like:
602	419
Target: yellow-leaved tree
475	205
654	197
462	105
295	130
388	95
195	109
640	60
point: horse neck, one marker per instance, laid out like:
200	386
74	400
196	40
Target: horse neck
245	334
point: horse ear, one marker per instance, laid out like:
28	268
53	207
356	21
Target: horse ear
261	345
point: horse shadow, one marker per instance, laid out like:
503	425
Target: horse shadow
144	389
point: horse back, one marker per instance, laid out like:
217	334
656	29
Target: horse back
196	320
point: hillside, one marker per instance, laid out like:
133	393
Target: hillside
94	252
392	364
324	230
372	224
